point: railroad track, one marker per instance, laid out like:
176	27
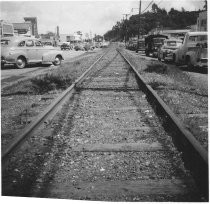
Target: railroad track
111	144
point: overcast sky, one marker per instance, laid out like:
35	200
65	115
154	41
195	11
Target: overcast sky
95	16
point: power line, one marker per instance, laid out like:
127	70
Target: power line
147	6
159	2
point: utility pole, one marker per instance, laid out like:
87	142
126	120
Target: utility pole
137	49
126	15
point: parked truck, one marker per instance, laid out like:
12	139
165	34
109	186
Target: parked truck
193	51
153	43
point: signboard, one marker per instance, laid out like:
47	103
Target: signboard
6	29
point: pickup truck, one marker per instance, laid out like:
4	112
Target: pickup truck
193	51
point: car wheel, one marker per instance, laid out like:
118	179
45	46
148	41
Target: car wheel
57	61
20	63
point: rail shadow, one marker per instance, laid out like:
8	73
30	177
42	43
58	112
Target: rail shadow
61	146
31	170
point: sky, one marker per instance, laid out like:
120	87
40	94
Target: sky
96	17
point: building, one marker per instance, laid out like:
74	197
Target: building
179	33
27	28
175	33
202	21
70	37
98	38
65	37
33	21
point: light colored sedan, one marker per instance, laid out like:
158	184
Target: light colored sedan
166	51
21	51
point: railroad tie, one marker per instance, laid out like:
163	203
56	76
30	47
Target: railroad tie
119	147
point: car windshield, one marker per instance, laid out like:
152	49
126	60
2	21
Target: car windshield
47	43
173	43
196	38
5	42
141	43
158	40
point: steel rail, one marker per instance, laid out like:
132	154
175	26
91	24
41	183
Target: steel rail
50	111
195	156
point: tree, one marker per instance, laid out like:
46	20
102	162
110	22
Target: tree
174	19
205	5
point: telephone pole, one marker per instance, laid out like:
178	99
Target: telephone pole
126	15
137	49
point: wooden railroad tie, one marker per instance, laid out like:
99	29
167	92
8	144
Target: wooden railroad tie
119	147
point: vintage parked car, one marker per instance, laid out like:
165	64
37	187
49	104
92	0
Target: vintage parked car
47	43
153	43
88	46
21	51
104	44
141	44
79	47
65	46
193	51
133	43
166	51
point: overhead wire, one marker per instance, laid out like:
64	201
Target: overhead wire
159	2
147	6
150	4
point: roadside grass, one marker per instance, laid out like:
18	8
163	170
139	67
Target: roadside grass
177	89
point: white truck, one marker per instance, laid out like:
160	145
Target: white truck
193	52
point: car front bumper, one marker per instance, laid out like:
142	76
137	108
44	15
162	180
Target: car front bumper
3	60
203	63
168	56
7	60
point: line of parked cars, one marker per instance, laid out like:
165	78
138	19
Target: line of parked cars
191	50
21	51
83	46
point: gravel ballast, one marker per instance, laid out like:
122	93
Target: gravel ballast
101	112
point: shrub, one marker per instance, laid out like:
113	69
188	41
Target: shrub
157	84
157	68
50	81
